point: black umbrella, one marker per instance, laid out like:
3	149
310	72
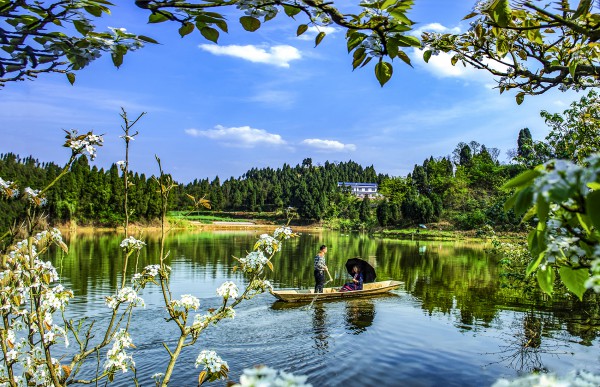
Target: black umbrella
367	270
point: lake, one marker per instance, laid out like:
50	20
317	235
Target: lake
451	324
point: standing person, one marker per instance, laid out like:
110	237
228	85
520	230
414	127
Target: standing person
320	268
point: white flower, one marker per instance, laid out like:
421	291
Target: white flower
116	357
267	377
283	233
127	294
186	302
574	378
254	261
84	142
211	361
8	189
130	244
34	197
228	289
268	244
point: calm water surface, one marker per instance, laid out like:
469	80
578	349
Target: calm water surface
451	324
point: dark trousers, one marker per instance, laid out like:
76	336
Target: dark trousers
319	281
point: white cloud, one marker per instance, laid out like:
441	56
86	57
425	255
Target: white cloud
243	136
436	27
280	55
313	31
329	145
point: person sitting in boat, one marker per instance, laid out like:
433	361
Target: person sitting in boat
357	281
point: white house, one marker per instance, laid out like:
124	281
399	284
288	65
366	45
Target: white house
361	189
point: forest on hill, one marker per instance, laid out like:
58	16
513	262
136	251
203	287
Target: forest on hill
463	190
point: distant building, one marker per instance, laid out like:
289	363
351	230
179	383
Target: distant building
361	190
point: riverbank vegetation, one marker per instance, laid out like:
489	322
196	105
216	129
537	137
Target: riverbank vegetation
461	191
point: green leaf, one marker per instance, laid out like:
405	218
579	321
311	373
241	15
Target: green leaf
250	23
523	179
319	38
401	17
593	185
542	208
592	205
524	201
573	68
545	279
585	222
426	56
291	11
500	13
186	29
502	46
453	60
520	97
222	25
81	27
405	58
383	72
472	14
582	9
408	41
210	34
533	265
71	78
147	39
93	10
117	58
387	3
302	28
354	39
359	56
574	279
158	17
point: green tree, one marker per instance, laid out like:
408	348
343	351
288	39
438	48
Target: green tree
530	46
575	134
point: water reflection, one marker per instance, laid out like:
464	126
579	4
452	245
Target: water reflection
320	332
528	341
451	288
360	314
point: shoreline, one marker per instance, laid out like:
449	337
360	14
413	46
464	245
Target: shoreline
190	226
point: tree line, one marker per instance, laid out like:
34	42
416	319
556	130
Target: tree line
464	189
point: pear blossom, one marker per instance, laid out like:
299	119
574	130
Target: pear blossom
186	302
283	233
265	376
130	244
34	197
127	294
211	361
83	143
117	357
268	244
228	289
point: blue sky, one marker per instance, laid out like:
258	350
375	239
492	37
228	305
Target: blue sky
267	98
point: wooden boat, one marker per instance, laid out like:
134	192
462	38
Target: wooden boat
308	295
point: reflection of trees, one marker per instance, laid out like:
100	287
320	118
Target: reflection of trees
450	278
446	277
582	318
359	315
320	334
528	341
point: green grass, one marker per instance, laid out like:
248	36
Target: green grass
180	215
